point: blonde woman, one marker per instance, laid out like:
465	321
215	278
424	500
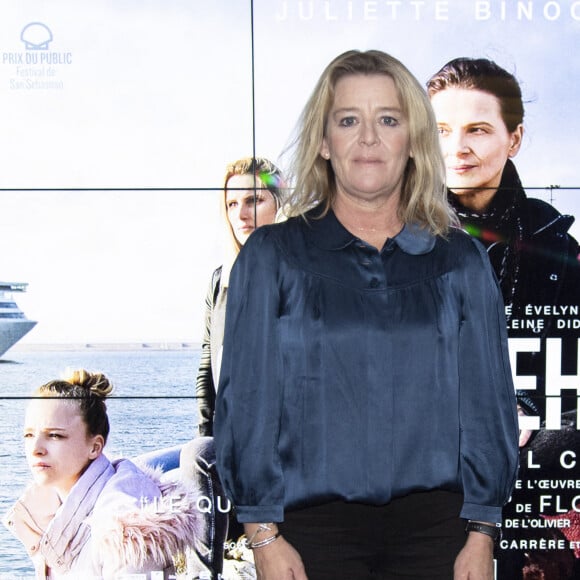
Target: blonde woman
365	414
251	197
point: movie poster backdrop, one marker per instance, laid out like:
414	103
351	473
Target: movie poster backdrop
128	112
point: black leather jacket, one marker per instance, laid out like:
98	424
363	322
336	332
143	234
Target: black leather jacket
205	387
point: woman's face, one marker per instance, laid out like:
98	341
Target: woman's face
57	446
367	138
475	141
245	211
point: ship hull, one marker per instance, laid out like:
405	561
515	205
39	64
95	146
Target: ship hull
11	331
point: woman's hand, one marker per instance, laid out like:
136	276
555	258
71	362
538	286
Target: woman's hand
279	561
475	561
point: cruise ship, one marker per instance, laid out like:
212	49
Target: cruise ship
13	324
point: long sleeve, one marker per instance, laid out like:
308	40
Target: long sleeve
488	417
204	387
249	396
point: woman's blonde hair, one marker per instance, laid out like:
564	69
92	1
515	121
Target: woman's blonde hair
267	175
86	389
423	197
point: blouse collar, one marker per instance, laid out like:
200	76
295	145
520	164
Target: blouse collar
329	234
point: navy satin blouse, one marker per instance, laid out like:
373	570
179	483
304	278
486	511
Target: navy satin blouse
349	373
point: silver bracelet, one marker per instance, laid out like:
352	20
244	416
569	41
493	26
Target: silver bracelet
260	528
265	542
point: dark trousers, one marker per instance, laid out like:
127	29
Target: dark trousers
414	537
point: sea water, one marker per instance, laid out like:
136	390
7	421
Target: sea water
153	406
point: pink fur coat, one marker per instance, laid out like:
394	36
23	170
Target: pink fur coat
117	519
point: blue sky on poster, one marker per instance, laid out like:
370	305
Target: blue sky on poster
158	94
